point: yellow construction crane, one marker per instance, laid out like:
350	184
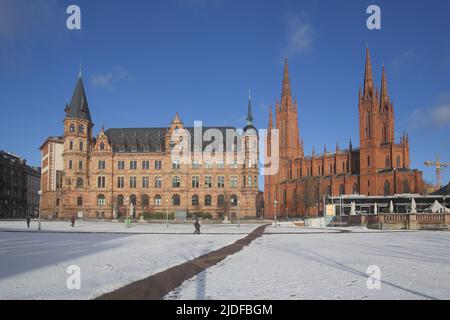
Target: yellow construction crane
439	167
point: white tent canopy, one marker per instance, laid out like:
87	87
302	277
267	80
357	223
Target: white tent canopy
436	207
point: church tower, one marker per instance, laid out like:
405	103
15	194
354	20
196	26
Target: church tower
78	142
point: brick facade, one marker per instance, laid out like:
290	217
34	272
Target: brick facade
104	175
380	166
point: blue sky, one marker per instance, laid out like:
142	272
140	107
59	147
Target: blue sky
145	60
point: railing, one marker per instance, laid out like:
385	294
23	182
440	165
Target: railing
433	218
396	217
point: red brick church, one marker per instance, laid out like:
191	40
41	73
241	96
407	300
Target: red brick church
380	166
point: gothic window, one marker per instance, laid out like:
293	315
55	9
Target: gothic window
80	128
79	183
387	188
176	200
81	145
387	162
341	189
101	200
70	145
329	190
234	200
158	200
120	200
406	188
368	161
384	133
102	146
398	162
355	188
195	201
368	128
208	200
79	201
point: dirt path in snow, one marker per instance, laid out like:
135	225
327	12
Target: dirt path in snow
159	285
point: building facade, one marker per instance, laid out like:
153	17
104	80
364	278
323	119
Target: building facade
380	166
144	171
19	186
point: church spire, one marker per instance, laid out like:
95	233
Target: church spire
249	109
286	91
384	98
368	78
270	118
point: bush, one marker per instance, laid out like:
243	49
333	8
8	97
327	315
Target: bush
158	216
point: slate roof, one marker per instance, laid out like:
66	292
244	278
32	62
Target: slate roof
78	107
153	139
443	191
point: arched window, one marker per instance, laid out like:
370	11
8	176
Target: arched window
368	161
133	200
79	201
120	200
399	164
406	186
57	202
101	200
176	182
102	146
80	128
355	188
79	183
387	162
195	201
158	200
341	189
234	200
329	190
387	188
72	128
384	133
145	200
208	200
220	200
176	200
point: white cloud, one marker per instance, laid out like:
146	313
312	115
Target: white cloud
436	117
110	79
301	35
405	60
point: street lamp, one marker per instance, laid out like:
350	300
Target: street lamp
276	202
167	213
39	211
239	222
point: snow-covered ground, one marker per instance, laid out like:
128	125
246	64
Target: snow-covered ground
303	264
119	227
34	265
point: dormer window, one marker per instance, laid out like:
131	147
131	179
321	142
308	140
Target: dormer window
80	128
72	128
102	146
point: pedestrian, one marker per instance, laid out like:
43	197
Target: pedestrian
197	227
72	220
28	221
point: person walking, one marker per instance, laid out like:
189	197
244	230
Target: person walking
28	221
197	227
72	221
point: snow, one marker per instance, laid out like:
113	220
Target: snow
302	264
33	264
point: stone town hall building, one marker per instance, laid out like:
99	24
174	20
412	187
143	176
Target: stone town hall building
133	171
380	166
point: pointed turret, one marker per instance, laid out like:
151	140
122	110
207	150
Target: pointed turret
249	110
270	118
368	78
384	98
350	145
78	107
286	91
176	119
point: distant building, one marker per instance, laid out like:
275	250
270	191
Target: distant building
19	185
33	187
